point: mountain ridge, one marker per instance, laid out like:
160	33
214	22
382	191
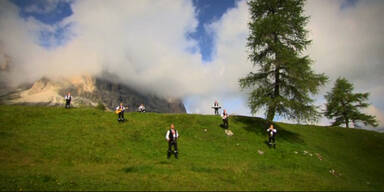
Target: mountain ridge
90	91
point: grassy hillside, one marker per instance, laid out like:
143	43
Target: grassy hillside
47	148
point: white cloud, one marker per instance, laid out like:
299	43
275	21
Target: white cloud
229	63
142	42
372	110
349	43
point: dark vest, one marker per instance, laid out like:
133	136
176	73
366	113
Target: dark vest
271	133
171	135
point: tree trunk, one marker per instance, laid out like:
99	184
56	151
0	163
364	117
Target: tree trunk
346	122
345	114
271	113
276	93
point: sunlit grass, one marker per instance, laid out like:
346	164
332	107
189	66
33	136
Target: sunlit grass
49	148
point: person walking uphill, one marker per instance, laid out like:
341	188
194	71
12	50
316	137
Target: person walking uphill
172	136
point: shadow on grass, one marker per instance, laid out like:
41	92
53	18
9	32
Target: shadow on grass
164	163
135	169
259	126
199	169
223	127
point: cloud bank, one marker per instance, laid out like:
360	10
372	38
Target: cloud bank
348	42
145	43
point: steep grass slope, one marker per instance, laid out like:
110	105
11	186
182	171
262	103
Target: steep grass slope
47	148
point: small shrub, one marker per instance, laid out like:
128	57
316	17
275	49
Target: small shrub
100	106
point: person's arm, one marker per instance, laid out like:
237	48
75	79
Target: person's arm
177	134
167	136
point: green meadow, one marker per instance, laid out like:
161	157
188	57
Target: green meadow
52	148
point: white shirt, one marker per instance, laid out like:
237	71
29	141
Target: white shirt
176	135
272	132
122	108
68	97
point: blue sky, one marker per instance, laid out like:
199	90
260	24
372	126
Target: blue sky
52	12
44	11
208	12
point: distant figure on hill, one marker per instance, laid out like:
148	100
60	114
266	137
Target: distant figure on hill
271	136
120	112
216	107
141	108
171	136
68	99
225	117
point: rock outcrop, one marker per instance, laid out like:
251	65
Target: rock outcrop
88	90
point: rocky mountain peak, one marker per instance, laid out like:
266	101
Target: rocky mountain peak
90	90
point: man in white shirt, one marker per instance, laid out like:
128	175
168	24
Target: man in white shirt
172	136
120	111
142	108
68	99
271	136
216	107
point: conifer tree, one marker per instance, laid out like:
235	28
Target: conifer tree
284	80
343	105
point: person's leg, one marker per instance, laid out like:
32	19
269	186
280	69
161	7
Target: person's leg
226	123
269	141
176	152
169	149
119	117
122	115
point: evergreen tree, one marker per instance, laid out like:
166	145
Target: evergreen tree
344	105
284	79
